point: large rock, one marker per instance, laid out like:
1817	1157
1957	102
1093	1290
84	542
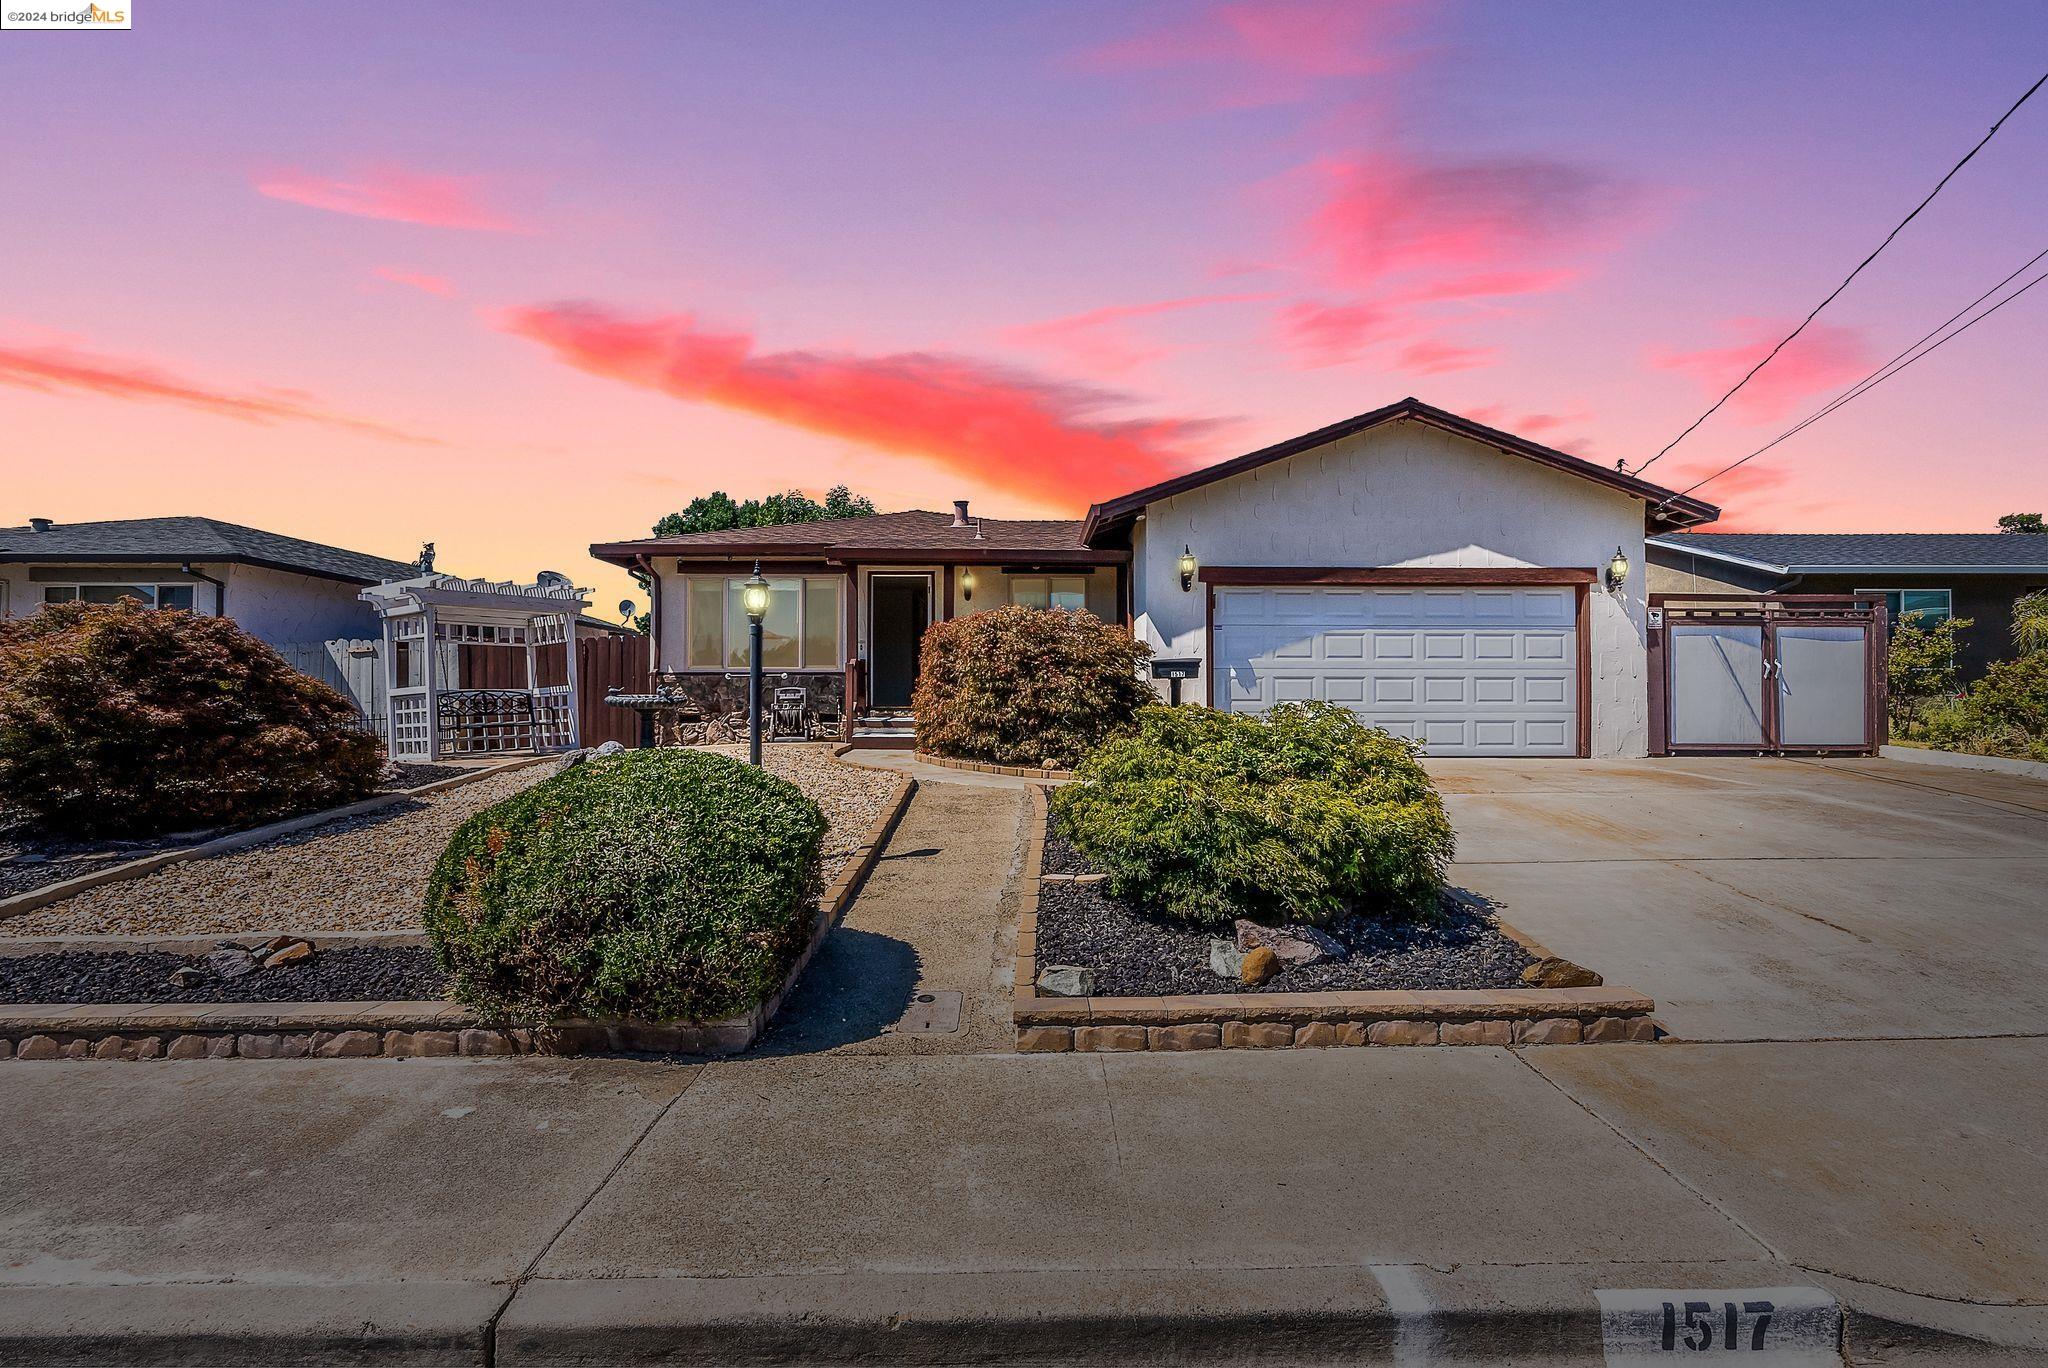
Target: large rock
1295	945
1260	964
188	977
1066	980
1560	973
1225	959
289	954
231	962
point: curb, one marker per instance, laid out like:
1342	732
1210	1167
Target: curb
1993	764
221	845
1230	1021
400	1030
982	767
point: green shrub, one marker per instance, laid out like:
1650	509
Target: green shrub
124	720
2004	713
1305	814
1027	686
656	885
1920	669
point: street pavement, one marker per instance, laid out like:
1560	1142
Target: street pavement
1852	1102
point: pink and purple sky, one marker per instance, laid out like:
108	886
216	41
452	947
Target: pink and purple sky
523	278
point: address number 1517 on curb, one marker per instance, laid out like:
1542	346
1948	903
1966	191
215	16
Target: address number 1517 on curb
1789	1326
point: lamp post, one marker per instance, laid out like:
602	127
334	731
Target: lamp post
754	598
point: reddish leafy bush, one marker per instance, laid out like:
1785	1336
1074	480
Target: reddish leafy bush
1027	686
125	720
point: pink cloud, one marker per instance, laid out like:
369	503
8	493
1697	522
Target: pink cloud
427	284
1820	360
1752	498
397	195
66	370
1010	430
1537	427
1099	340
1491	226
1302	38
1434	357
1325	334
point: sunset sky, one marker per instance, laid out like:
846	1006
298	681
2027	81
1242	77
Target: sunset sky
515	278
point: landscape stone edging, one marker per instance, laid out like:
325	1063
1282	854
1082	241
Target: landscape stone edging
983	767
1501	1016
196	945
238	840
330	1030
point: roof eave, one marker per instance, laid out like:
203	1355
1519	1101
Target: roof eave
176	558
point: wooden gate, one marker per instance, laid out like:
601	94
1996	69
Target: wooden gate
1767	674
605	664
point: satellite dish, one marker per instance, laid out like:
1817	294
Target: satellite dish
626	607
552	579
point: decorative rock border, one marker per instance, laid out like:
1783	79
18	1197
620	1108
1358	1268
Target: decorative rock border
240	840
1263	1021
398	1030
980	767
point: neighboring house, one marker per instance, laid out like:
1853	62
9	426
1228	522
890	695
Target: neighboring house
1443	579
280	589
1933	575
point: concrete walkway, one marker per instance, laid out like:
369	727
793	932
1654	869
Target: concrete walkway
851	1194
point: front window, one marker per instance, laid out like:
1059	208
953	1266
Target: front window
800	631
150	595
1923	607
1050	591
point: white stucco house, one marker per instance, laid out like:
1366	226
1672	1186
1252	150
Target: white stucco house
282	590
1445	580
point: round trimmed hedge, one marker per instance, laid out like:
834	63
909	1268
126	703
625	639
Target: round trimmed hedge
123	720
1304	814
1026	686
655	885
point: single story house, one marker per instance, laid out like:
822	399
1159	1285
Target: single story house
282	590
1932	575
1448	581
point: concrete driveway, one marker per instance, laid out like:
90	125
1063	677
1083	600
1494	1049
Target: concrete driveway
1761	899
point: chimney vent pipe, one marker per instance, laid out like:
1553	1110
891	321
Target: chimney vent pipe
959	512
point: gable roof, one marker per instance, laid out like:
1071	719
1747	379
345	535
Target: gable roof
916	532
1793	553
149	540
1667	508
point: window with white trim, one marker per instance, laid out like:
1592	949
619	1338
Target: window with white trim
151	595
1924	607
801	630
1050	591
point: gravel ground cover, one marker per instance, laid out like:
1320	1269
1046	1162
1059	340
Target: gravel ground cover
1136	955
344	974
366	873
30	859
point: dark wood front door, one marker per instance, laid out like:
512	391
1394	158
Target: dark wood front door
899	609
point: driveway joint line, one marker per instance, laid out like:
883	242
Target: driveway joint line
2000	803
1521	1056
1909	1292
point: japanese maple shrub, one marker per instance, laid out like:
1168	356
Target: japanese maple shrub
655	885
1027	686
1304	814
123	720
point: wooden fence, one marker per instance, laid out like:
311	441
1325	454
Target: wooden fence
603	663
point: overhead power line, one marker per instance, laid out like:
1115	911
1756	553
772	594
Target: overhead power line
1924	347
1747	375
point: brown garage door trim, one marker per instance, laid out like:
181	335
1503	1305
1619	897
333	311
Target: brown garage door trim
1482	576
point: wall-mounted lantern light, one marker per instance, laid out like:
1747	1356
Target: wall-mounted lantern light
967	586
1187	569
754	598
1617	569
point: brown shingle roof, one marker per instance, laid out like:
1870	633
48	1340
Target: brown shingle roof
915	530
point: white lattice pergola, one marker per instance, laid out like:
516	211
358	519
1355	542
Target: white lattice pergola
432	711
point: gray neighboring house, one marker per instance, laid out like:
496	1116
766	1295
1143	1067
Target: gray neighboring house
282	590
1974	575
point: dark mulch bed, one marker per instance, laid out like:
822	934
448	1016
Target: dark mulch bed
355	973
1135	954
32	859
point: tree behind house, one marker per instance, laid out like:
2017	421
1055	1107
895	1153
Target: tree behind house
2023	522
718	511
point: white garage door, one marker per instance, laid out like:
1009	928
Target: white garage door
1465	671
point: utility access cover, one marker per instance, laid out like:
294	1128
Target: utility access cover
935	1013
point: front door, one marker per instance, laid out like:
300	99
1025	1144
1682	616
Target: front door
899	609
